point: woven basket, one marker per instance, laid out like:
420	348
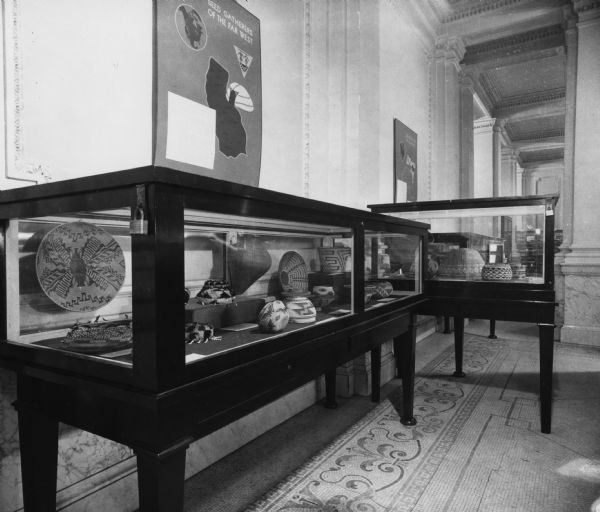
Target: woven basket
496	272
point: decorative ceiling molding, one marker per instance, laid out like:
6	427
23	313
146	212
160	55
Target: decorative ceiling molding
550	143
552	99
534	135
582	6
476	9
532	41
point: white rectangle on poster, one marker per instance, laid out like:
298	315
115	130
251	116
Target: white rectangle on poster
401	191
191	129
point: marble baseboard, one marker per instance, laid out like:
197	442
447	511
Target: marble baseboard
580	335
220	443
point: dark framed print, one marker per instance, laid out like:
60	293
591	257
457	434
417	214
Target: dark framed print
405	163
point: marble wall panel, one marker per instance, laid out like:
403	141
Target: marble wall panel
582	307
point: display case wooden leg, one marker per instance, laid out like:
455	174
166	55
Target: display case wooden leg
161	479
407	345
397	356
546	371
492	335
447	329
38	439
459	340
330	377
376	374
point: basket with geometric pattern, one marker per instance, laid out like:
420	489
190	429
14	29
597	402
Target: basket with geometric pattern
496	272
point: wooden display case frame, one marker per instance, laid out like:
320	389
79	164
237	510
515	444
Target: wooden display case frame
494	300
160	404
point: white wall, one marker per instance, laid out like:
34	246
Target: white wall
83	84
404	93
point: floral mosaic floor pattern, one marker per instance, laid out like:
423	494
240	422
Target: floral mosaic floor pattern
476	445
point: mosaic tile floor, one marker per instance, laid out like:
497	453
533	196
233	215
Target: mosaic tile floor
476	447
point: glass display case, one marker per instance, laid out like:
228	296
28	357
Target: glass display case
116	274
490	258
493	240
153	307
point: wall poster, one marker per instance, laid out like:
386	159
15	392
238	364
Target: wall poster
405	163
208	116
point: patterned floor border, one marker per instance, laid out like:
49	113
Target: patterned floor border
378	464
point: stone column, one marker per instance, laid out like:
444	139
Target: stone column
445	181
519	181
497	156
467	157
581	267
566	197
482	141
508	179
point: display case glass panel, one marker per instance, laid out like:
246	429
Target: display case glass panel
70	283
392	267
495	243
250	279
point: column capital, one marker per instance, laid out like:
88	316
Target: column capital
451	49
486	122
510	153
466	80
499	125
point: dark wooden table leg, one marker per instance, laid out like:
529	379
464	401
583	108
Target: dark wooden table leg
492	335
447	329
376	374
546	370
459	339
330	377
406	345
38	440
397	356
161	478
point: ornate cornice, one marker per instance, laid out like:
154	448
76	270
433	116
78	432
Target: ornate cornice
516	102
516	41
536	136
581	6
477	8
588	11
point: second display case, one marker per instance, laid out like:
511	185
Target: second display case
490	258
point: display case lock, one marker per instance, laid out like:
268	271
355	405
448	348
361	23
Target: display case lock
139	222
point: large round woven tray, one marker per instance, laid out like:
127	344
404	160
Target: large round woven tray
79	266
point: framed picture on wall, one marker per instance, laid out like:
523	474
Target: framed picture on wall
405	163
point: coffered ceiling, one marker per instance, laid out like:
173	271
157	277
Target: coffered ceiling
515	54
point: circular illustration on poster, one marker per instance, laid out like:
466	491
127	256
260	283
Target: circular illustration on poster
190	27
80	266
242	99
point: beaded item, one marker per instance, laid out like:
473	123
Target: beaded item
99	335
196	332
